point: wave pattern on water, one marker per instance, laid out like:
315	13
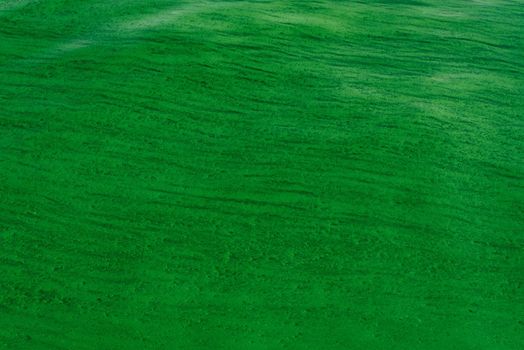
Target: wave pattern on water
243	174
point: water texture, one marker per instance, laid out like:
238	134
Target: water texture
261	174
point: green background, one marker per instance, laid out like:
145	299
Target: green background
261	174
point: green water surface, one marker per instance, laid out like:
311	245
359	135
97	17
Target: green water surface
261	174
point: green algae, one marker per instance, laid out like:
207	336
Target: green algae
261	174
